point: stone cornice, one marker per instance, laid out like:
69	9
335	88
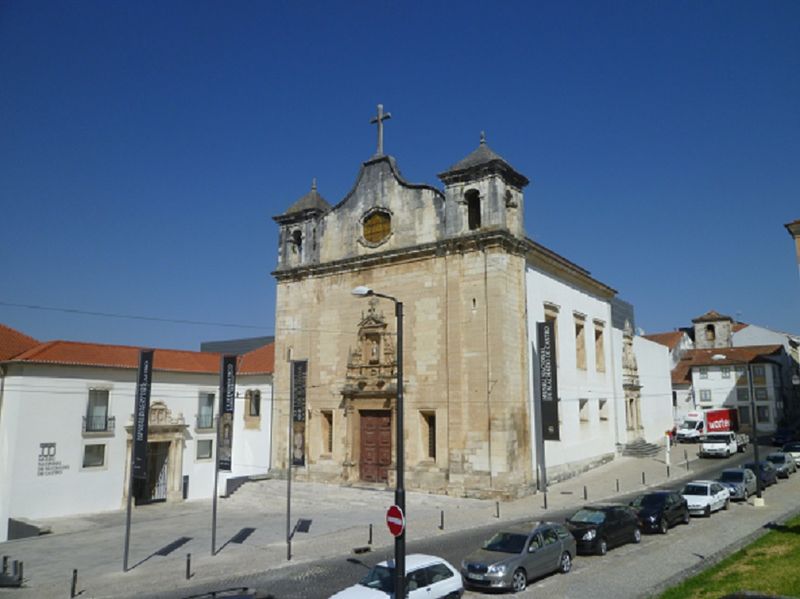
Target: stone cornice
533	252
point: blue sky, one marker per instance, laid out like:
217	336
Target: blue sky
145	146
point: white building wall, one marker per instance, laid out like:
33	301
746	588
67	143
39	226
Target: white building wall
593	437
723	391
46	405
653	361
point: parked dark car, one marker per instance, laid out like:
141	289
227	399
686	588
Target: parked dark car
519	553
597	528
765	472
741	482
660	510
783	463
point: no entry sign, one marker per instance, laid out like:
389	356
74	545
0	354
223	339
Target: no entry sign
395	520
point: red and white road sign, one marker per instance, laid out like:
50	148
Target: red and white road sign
395	520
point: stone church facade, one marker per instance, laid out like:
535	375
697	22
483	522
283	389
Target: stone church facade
459	261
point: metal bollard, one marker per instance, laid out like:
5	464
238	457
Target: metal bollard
644	482
19	572
74	587
685	455
617	485
497	509
687	465
188	566
370	535
545	500
441	520
585	492
667	470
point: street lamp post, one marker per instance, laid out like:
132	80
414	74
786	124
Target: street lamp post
400	491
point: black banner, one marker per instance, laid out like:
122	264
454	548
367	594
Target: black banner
298	399
141	413
227	399
548	385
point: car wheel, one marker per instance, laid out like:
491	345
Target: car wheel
566	563
637	535
687	517
707	512
726	504
519	581
663	527
602	547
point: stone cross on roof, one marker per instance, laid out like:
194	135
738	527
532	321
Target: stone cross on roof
382	116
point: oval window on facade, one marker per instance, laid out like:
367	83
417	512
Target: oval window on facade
377	227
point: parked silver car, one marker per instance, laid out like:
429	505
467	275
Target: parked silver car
518	554
741	482
783	462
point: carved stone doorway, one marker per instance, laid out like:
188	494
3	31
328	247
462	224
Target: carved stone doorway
375	455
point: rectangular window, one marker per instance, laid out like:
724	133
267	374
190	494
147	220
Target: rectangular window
583	408
599	348
742	394
744	415
602	407
551	315
205	410
97	410
741	377
761	394
429	434
759	375
254	408
204	449
705	395
762	413
327	431
703	372
726	372
580	344
94	456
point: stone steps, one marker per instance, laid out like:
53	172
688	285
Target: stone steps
640	449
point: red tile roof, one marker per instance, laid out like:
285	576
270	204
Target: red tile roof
670	339
738	326
721	356
74	353
258	361
13	343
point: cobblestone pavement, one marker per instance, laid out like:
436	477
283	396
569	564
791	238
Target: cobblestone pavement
162	535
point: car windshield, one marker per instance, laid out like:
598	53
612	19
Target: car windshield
506	542
649	500
585	516
731	476
380	578
695	490
689	424
776	458
716	439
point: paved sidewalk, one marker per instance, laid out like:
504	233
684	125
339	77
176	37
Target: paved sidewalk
163	534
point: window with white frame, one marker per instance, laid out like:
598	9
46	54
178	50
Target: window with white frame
703	372
744	414
742	394
94	455
762	413
726	372
205	448
761	394
205	410
97	410
254	403
705	395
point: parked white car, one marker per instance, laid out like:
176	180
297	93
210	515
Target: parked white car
427	576
793	449
706	496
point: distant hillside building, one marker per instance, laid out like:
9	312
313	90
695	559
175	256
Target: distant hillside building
66	414
473	288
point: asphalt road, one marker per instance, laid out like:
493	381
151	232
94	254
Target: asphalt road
628	571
